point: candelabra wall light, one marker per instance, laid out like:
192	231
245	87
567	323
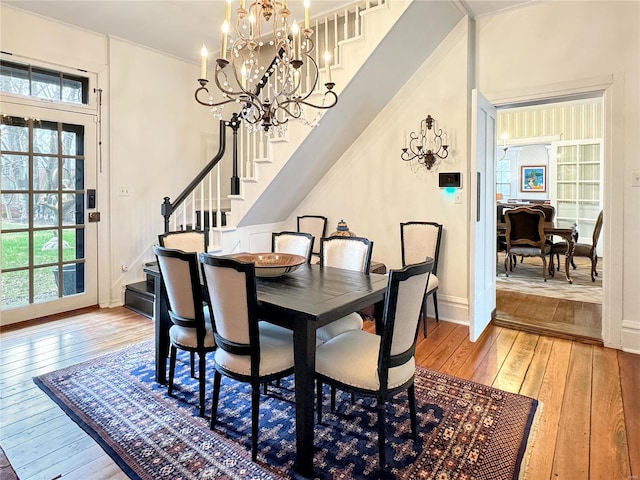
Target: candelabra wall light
264	74
504	146
427	146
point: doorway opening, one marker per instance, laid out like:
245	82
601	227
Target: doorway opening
563	141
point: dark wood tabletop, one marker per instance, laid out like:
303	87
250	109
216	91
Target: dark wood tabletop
302	301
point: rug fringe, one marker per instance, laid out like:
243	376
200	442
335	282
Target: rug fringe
535	426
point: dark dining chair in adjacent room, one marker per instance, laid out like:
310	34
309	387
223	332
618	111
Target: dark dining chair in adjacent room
419	241
525	236
316	225
587	250
248	350
379	366
192	328
349	253
298	243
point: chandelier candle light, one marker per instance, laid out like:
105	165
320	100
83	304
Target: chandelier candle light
265	75
427	150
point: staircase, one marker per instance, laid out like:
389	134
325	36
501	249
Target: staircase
372	39
351	35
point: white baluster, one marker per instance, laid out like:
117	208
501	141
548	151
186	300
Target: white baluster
357	20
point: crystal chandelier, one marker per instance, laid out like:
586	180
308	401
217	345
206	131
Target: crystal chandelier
426	149
265	75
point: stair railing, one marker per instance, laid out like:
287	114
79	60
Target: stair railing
204	219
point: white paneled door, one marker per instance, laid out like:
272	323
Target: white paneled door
482	254
49	249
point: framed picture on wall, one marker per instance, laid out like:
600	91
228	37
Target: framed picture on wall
533	178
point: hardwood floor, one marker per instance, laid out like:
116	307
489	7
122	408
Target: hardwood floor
590	427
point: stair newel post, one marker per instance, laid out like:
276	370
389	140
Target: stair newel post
234	123
166	209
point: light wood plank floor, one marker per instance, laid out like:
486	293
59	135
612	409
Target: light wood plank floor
590	427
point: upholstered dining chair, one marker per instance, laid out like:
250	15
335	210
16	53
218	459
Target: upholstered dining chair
298	243
316	225
185	240
192	329
374	365
248	351
349	253
525	236
419	241
582	249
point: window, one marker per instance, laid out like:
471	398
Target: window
39	82
503	175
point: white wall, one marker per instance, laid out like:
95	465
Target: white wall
373	190
160	138
551	48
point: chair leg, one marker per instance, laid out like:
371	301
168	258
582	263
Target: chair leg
411	393
382	457
216	394
173	352
435	306
255	415
594	261
544	267
507	260
192	356
202	358
319	401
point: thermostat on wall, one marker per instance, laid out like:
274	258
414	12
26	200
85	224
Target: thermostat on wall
448	180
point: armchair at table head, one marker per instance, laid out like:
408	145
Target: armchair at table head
249	350
316	225
379	366
298	243
192	328
525	236
349	253
419	241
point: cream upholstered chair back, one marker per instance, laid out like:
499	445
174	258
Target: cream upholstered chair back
298	243
187	241
408	303
350	253
232	293
179	272
316	225
420	240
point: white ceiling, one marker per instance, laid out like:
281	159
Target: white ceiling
179	27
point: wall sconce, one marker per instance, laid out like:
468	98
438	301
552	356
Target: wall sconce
504	146
428	151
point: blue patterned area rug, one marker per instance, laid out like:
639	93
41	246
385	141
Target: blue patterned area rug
466	430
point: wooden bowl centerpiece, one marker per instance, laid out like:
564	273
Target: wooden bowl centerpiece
272	264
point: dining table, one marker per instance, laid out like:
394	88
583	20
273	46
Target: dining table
550	228
302	301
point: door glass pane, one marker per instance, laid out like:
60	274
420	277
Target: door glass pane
15	211
45	84
45	173
45	285
14	79
14	137
15	288
15	172
45	247
15	250
72	174
567	154
72	90
72	136
45	138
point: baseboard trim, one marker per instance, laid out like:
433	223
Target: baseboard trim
630	336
